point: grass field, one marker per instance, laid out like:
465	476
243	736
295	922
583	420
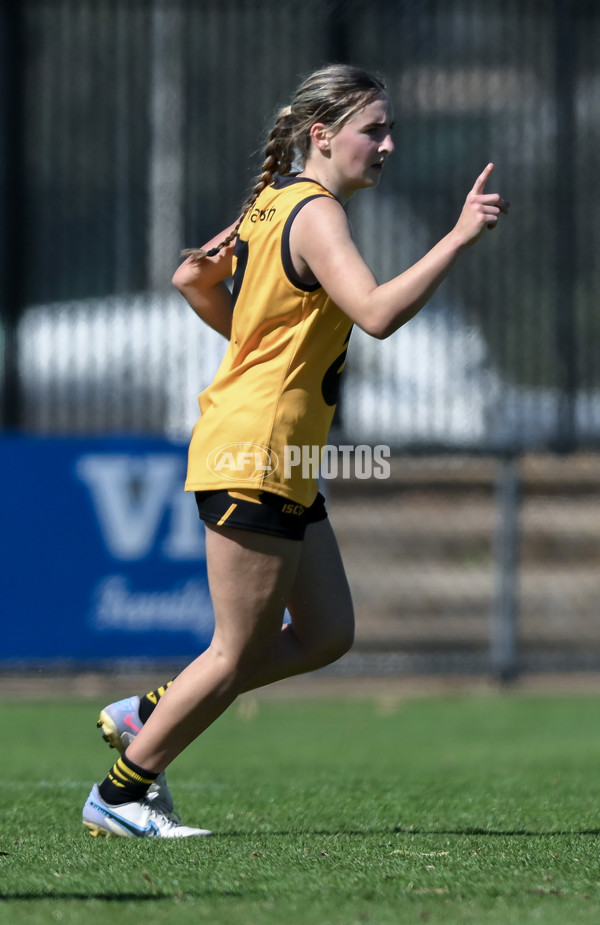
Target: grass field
464	809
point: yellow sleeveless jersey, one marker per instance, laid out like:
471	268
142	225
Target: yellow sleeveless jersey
276	389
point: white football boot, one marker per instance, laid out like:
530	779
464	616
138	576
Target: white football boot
141	819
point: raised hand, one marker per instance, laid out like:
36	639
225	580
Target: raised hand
481	210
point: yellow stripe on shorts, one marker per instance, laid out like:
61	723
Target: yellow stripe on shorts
227	514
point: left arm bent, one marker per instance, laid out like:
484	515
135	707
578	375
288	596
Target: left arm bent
202	284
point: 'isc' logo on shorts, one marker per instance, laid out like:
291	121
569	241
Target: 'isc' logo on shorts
245	462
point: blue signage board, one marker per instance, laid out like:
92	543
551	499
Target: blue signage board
103	553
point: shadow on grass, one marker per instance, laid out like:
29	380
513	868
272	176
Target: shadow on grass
410	830
126	897
105	897
495	833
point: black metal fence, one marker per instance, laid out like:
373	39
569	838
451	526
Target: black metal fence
132	128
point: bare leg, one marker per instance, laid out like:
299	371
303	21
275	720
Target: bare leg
320	606
251	577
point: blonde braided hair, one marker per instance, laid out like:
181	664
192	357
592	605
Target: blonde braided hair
330	95
279	157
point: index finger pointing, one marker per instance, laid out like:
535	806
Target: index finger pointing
479	185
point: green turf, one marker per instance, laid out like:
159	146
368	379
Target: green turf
457	810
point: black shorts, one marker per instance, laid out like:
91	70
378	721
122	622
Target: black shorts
259	511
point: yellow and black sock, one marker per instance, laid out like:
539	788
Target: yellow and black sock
149	701
126	782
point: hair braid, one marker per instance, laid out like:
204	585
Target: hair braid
279	158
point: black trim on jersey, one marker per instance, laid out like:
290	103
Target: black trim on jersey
286	257
281	182
241	252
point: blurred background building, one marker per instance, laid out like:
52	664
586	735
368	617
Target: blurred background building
131	129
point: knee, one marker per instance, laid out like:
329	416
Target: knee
344	641
238	664
338	641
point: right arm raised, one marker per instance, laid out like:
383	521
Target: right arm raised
321	241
